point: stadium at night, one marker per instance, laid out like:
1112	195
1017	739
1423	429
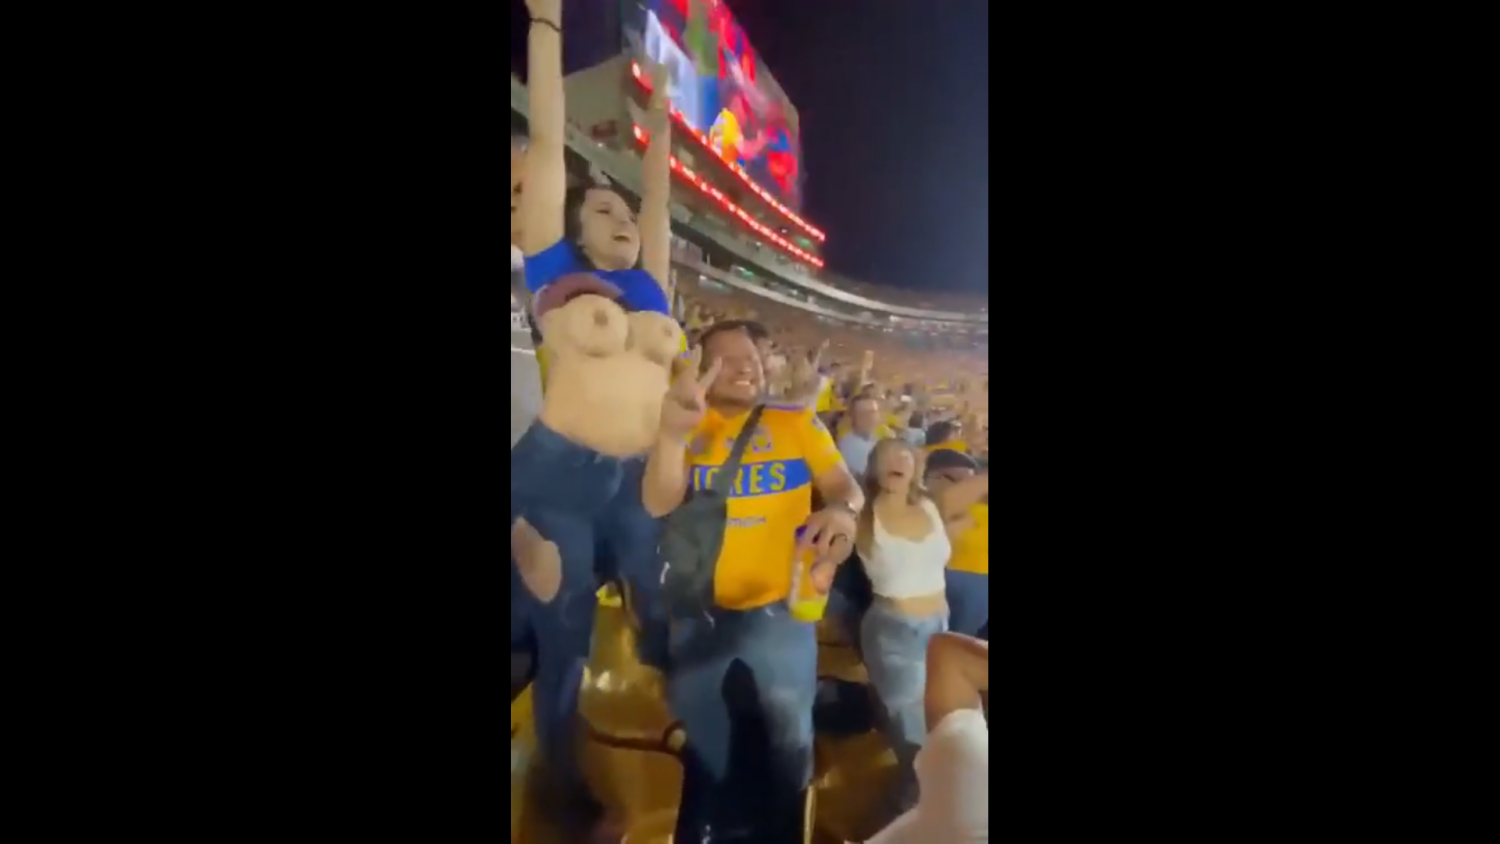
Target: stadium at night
736	164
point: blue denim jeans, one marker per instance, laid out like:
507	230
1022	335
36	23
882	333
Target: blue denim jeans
743	683
895	653
968	601
589	505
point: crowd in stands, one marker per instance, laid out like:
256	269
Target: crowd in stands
719	489
797	332
932	300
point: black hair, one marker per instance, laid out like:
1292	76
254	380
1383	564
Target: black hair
916	420
946	458
756	331
939	432
573	219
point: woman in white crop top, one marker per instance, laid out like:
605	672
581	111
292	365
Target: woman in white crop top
905	547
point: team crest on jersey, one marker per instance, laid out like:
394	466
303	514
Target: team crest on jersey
760	441
699	445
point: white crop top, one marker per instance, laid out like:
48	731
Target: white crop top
905	568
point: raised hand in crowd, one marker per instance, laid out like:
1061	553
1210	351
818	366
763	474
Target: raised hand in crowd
549	11
682	411
806	376
656	192
686	401
657	108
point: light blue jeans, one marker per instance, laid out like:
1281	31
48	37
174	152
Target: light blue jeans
895	653
968	601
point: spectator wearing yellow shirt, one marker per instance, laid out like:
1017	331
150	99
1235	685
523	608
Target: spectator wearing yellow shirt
748	649
902	408
954	478
826	389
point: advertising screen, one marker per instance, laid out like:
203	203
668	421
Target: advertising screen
723	91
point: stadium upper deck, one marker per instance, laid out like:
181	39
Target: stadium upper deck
736	169
728	251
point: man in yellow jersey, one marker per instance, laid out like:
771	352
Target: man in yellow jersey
968	572
746	662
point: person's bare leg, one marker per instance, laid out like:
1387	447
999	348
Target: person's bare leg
953	806
958	672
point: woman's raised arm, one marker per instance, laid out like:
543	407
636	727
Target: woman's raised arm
656	187
546	185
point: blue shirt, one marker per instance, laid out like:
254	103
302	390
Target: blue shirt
641	292
856	450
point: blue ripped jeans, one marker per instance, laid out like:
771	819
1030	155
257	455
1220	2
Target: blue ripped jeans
743	683
589	505
968	601
895	654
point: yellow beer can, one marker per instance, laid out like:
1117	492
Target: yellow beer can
804	600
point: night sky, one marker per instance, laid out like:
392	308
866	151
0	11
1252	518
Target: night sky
893	97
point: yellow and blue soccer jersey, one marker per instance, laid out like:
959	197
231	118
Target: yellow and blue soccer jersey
770	499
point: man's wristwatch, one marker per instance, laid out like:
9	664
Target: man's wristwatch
846	507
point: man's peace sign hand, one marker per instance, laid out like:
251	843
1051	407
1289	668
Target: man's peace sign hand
686	400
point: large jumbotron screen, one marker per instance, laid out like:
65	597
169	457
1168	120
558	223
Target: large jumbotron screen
723	91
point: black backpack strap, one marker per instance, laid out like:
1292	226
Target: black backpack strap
693	534
528	299
536	334
724	481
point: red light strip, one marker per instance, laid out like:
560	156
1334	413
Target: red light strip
645	82
707	189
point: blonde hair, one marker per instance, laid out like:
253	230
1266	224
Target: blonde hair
864	534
